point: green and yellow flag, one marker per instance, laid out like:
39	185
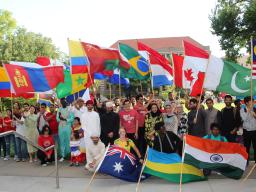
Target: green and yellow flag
73	83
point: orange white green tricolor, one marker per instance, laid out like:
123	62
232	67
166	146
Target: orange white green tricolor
227	158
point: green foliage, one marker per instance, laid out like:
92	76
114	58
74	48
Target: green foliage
233	21
18	44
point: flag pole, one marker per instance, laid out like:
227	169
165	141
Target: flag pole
199	102
110	91
173	69
252	71
143	166
182	163
141	89
120	94
96	170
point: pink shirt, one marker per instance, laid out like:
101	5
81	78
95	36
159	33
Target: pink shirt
142	111
128	120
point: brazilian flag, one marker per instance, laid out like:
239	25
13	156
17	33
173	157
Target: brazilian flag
140	68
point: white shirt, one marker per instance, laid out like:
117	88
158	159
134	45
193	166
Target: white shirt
90	122
20	127
95	152
79	112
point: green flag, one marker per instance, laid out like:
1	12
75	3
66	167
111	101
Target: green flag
228	77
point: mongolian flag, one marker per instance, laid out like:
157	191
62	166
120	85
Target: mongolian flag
5	87
28	79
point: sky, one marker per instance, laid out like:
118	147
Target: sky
103	22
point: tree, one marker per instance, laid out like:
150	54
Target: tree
233	21
7	24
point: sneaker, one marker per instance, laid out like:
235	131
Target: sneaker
77	165
62	159
15	158
71	164
30	161
6	159
23	160
35	160
44	165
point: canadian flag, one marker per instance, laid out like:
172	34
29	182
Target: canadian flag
193	68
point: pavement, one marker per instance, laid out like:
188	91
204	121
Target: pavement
31	177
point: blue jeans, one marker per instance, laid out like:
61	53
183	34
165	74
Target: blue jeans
10	139
21	148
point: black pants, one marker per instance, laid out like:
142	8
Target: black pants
43	158
250	138
142	141
2	145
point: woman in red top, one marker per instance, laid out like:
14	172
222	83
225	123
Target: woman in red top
2	140
9	139
45	140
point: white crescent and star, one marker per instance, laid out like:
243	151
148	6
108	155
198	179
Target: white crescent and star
234	86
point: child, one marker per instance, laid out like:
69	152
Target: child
215	135
76	127
76	157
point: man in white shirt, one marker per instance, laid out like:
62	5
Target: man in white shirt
42	120
94	153
90	121
79	108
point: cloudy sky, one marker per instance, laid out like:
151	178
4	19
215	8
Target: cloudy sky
103	22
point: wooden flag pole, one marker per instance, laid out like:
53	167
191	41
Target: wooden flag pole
252	71
143	166
250	172
110	91
96	170
182	163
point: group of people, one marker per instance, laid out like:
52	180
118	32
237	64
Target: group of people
83	130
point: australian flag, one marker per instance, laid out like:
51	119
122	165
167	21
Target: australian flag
121	164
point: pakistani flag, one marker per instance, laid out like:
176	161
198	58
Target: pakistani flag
228	77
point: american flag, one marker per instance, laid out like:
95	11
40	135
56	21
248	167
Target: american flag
253	44
123	153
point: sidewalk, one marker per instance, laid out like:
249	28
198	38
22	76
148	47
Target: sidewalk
28	177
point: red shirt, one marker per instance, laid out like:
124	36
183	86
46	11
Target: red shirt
128	120
142	111
46	141
52	122
8	124
1	125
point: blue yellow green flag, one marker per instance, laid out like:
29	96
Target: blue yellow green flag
168	167
140	68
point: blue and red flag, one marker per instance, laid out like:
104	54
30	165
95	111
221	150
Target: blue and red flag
121	164
28	79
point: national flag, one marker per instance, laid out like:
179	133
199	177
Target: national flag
227	158
5	87
178	72
121	164
228	77
72	83
139	66
43	61
71	98
160	67
104	60
28	79
45	98
168	166
78	59
253	55
115	78
194	68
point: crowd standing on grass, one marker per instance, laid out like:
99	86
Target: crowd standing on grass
82	130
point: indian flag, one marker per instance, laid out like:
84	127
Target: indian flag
227	158
169	166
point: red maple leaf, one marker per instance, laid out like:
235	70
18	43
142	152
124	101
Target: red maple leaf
188	75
